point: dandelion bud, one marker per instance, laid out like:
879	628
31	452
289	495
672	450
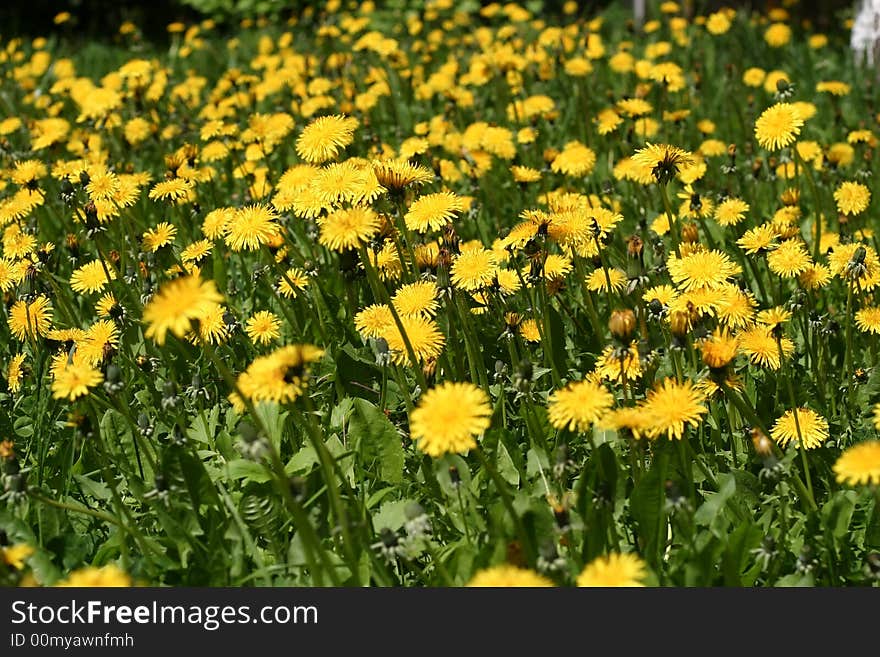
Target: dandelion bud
731	150
790	196
762	443
718	350
634	246
622	323
689	233
679	323
7	451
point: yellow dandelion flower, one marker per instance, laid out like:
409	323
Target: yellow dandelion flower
424	336
73	376
759	344
176	304
663	161
92	577
597	281
801	425
578	406
15	373
731	211
251	226
508	576
279	377
852	198
373	321
91	277
868	319
859	465
263	327
347	229
449	418
614	570
174	190
292	283
397	174
325	137
702	269
162	235
418	298
789	259
30	319
778	126
433	211
474	269
670	406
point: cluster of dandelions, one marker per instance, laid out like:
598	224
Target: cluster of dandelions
528	262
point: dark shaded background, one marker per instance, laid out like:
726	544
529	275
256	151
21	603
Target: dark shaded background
100	19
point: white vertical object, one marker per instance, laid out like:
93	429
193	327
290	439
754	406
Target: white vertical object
865	38
639	11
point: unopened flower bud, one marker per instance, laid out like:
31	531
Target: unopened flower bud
622	323
689	233
762	443
679	323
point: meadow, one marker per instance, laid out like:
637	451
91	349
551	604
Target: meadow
456	295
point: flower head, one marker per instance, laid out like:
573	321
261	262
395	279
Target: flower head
91	277
91	576
702	269
324	137
433	211
251	227
670	406
347	229
72	376
263	327
509	576
279	377
852	198
578	405
802	425
662	160
177	303
614	569
859	464
449	418
778	126
32	318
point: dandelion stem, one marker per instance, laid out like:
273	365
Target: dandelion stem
673	226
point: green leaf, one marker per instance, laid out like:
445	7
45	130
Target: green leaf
302	462
356	375
607	466
45	571
248	470
94	488
797	579
273	420
646	506
872	531
837	512
23	427
744	538
715	502
391	515
506	467
375	437
204	427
